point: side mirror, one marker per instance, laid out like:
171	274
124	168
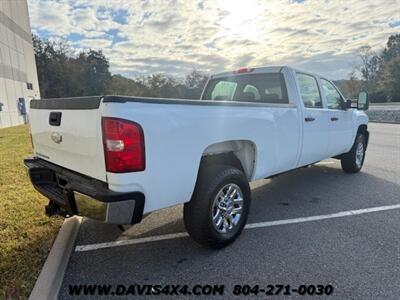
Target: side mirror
345	104
363	101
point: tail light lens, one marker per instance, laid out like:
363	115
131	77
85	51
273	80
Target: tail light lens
123	146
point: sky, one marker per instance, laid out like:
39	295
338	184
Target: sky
141	37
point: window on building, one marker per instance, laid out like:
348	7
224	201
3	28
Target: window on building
29	86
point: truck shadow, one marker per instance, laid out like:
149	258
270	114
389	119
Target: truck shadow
319	189
258	253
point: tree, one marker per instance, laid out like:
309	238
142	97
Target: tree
196	79
392	49
96	73
51	59
353	86
390	82
194	83
120	85
161	85
380	71
62	74
371	66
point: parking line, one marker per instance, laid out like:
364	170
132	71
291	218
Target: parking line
323	217
83	248
90	247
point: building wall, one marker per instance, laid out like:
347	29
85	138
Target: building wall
18	75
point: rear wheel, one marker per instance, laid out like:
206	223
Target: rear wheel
353	161
218	210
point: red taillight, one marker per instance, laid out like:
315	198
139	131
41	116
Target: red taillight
244	70
123	146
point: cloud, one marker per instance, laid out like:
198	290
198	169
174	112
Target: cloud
50	16
93	43
141	37
84	19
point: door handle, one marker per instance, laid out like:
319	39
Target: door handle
309	119
334	119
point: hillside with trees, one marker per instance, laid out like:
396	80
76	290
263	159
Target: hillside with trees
63	73
380	73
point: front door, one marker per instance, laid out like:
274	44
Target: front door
341	129
315	121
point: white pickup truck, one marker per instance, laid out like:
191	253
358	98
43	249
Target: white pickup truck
115	158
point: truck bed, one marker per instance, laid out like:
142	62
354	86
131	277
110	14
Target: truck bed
176	136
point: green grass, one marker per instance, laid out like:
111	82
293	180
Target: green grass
26	234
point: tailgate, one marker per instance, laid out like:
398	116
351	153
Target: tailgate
67	132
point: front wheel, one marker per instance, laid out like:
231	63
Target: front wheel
353	161
217	212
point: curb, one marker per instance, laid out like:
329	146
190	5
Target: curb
383	122
51	276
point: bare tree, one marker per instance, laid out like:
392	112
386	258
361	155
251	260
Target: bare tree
370	67
353	85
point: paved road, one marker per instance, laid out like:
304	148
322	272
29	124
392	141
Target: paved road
359	255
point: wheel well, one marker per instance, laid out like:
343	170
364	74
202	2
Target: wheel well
363	129
240	154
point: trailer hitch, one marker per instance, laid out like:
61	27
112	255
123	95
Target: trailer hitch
53	209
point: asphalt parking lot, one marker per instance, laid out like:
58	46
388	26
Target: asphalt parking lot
358	252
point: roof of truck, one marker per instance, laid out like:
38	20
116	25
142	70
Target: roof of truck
271	69
260	70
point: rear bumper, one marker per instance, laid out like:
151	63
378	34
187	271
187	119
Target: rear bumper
77	194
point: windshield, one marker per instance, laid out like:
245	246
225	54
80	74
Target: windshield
263	88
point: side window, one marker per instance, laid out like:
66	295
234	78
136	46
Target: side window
223	90
309	91
332	95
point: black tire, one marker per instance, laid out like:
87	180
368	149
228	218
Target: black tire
198	213
349	161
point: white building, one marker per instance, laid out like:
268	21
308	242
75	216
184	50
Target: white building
18	76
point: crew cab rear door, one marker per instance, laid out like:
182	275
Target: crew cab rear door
67	132
315	120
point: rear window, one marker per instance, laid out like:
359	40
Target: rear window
263	88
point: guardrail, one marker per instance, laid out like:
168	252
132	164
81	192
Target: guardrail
383	103
384	116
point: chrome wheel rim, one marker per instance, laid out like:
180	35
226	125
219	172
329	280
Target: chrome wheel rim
359	154
227	208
